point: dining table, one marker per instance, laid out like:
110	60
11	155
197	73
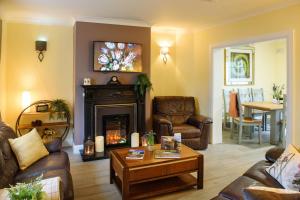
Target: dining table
275	111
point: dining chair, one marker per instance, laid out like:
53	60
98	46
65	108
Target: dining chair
258	96
226	102
241	121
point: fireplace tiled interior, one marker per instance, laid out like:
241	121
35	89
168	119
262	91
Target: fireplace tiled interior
116	129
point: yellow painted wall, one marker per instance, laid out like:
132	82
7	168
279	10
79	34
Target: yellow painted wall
274	22
189	73
50	79
2	70
172	78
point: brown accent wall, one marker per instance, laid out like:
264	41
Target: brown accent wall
84	35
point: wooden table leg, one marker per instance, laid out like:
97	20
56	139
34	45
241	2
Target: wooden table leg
200	173
112	171
125	184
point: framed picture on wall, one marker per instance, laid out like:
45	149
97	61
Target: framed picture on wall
239	66
117	57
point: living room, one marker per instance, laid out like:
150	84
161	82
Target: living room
177	51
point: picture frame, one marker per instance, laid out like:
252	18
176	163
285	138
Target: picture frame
111	56
239	66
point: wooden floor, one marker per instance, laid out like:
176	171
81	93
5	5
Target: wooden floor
222	164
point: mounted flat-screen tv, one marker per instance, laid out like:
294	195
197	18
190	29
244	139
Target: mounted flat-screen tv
117	57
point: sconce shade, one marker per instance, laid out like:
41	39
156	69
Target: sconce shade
40	45
164	51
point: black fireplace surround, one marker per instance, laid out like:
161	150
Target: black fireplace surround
112	102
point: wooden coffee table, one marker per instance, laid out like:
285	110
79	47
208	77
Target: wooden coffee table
138	179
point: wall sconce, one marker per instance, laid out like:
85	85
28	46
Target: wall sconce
164	51
40	46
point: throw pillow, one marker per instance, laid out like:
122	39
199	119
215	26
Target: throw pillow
262	193
28	148
286	169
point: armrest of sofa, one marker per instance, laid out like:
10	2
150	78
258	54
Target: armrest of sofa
199	121
161	127
274	153
54	146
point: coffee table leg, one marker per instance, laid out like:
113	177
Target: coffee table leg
112	171
200	173
125	184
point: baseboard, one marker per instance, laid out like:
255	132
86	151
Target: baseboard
76	148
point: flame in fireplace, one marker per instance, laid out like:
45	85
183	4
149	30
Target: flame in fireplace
114	137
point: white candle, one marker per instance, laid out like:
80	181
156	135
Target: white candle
135	140
99	143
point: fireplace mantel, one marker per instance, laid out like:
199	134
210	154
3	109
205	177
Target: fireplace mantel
109	95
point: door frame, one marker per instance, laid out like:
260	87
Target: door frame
289	36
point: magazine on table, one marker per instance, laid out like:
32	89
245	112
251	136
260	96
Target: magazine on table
167	154
171	142
135	154
170	147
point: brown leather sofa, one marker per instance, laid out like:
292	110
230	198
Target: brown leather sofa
176	114
256	175
55	164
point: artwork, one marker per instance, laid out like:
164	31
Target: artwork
239	66
117	57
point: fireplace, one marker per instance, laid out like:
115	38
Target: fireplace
116	122
113	111
116	129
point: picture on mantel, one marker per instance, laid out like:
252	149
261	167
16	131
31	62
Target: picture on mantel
117	57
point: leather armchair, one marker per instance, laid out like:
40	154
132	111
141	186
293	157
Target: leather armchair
176	114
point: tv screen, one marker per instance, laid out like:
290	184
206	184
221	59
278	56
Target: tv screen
117	57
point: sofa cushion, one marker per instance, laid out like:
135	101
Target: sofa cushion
286	169
187	131
53	161
234	191
177	109
28	148
258	172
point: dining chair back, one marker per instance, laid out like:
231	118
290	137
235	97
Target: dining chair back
241	121
245	95
257	94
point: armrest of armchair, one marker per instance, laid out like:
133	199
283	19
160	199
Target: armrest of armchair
274	153
199	121
54	146
161	126
203	123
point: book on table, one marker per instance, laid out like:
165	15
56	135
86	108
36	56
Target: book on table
166	154
135	154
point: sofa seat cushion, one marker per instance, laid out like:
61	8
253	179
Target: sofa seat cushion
258	172
54	161
187	131
235	190
67	183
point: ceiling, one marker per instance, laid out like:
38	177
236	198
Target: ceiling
191	14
